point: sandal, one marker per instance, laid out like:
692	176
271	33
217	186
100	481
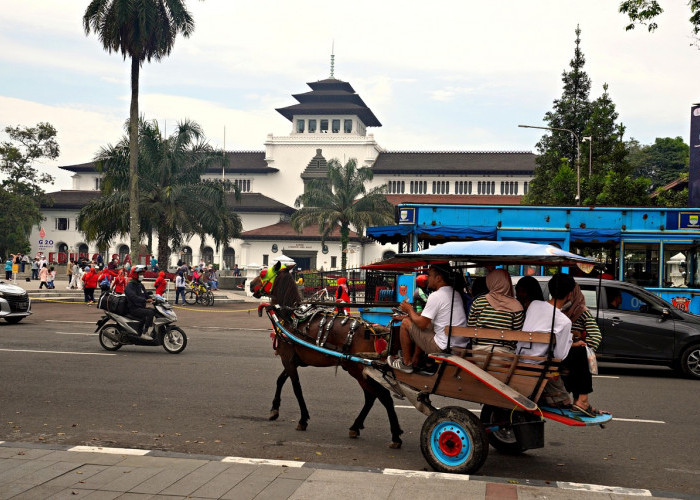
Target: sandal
588	411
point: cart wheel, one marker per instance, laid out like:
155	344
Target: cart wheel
504	438
453	440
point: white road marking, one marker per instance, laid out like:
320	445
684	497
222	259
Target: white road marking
112	451
684	471
74	333
262	461
59	352
68	321
603	489
639	420
605	376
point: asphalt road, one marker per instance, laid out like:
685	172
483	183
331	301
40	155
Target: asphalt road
57	385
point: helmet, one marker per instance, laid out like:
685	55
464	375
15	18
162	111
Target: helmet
422	280
342	281
134	274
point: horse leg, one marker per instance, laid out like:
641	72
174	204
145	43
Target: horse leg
385	399
360	420
296	385
275	410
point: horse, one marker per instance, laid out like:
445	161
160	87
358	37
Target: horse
323	327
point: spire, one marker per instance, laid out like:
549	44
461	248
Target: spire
332	59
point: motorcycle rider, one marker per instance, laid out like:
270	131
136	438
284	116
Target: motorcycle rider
138	301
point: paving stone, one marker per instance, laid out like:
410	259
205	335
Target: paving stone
281	488
196	479
99	480
437	489
26	453
84	457
254	483
296	472
225	481
164	479
324	484
26	467
9	490
131	478
9	464
80	473
53	471
103	495
41	491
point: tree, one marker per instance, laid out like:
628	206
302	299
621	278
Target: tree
570	112
18	215
662	162
645	12
142	30
18	157
174	200
342	201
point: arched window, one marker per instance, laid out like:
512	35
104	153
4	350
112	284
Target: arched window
229	258
208	255
186	255
83	251
388	254
123	251
516	187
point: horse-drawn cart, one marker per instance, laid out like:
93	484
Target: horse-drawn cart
453	439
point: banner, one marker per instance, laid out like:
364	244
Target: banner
694	177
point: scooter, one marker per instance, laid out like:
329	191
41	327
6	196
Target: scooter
116	330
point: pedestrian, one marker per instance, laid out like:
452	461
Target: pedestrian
43	277
69	271
161	284
50	278
24	262
154	264
8	268
90	283
35	269
43	261
100	261
119	282
180	287
236	270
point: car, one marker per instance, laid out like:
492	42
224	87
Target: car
15	304
643	328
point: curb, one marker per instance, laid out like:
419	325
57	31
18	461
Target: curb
561	485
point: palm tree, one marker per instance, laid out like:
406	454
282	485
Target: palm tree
347	203
174	201
143	30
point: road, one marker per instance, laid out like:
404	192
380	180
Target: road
57	385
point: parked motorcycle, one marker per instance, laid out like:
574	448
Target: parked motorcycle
116	330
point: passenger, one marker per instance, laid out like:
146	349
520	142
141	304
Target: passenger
614	298
585	332
420	296
137	301
497	309
528	289
425	332
544	316
479	287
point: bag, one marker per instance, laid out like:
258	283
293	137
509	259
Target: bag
592	361
104	283
102	301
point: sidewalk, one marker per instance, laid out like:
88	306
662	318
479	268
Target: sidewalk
36	471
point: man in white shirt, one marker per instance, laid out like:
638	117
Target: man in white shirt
425	332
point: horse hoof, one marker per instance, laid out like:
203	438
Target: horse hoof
274	414
354	434
301	427
394	445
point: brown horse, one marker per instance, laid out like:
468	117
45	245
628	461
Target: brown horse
326	328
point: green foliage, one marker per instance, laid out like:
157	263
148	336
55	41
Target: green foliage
662	162
342	201
174	201
20	212
18	158
644	12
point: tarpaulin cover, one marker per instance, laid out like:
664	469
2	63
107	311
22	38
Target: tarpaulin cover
483	252
457	232
389	234
596	235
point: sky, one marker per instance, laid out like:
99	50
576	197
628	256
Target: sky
440	76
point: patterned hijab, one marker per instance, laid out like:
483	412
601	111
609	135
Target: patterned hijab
500	294
578	304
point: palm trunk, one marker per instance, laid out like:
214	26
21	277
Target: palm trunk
344	238
134	220
163	251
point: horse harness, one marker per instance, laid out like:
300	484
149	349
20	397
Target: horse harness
302	317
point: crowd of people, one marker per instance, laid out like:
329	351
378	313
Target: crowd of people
443	298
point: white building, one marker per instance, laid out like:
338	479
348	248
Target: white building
328	122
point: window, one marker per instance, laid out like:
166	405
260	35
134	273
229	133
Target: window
243	185
334	262
624	300
525	187
300	126
266	260
186	255
516	187
478	187
208	255
312	126
62	224
678	260
98	183
403	186
641	266
324	126
347	126
469	190
229	258
503	188
336	126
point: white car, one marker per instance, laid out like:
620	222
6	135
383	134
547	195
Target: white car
14	303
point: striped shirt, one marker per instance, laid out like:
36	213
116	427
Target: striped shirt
587	324
482	314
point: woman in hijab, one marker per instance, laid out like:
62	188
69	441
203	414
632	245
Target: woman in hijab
577	375
497	309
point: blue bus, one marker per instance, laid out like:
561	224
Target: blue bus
656	248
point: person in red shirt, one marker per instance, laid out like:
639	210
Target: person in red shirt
119	282
90	280
342	295
161	284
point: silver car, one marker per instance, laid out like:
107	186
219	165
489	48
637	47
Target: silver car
14	303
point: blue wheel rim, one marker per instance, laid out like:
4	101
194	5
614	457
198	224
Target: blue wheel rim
450	443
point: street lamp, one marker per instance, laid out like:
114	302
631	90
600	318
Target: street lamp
578	156
589	140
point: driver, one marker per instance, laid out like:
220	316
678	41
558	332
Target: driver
138	301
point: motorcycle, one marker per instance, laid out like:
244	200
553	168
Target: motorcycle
116	330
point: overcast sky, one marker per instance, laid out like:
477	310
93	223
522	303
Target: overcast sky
441	75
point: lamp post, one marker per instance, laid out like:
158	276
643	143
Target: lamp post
589	140
578	156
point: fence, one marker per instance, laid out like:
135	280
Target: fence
363	286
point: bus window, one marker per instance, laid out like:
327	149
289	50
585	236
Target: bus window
641	266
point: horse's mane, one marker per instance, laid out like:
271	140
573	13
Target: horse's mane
286	293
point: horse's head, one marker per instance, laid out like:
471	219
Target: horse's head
268	281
